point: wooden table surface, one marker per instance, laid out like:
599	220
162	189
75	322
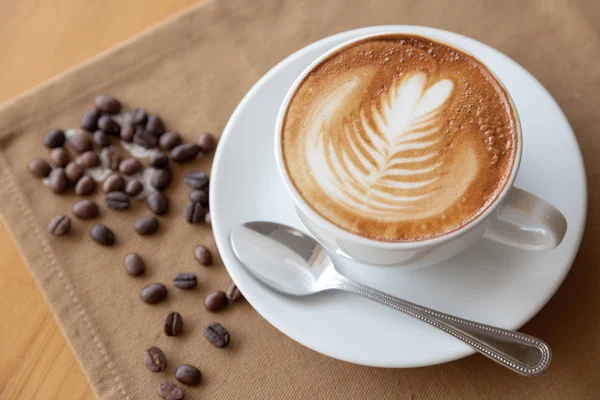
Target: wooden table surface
39	39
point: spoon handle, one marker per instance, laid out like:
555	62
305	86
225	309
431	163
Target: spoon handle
521	353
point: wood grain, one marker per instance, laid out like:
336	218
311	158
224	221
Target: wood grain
39	39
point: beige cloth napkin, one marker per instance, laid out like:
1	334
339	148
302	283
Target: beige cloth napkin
193	69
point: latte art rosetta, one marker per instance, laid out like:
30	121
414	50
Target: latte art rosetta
399	138
388	161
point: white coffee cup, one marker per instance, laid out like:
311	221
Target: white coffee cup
517	218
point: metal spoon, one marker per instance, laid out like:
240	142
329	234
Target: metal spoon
293	263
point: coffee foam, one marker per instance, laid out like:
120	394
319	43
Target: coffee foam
399	138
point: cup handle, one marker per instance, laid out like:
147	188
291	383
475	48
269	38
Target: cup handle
527	222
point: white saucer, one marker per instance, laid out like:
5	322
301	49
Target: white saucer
489	283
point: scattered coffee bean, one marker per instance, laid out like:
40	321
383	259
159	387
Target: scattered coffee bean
233	293
185	280
109	125
199	196
173	324
160	179
194	213
111	157
134	265
89	159
158	160
169	140
58	180
206	142
203	255
170	391
79	142
127	132
85	209
138	116
74	172
85	186
145	139
196	179
216	334
134	187
146	225
117	200
154	293
60	225
130	166
154	125
102	235
114	183
101	138
89	122
154	359
207	219
39	168
188	375
54	138
184	152
59	157
216	301
157	203
107	104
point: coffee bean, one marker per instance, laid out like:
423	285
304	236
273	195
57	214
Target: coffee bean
145	139
233	293
127	132
138	116
85	209
59	157
107	104
58	180
39	168
109	125
216	301
89	122
216	334
158	160
101	138
79	142
114	183
207	219
111	157
154	125
74	172
188	375
184	153
169	140
54	138
117	200
173	324
102	235
146	225
85	186
89	159
160	179
196	179
157	203
154	359
134	265
199	196
194	213
203	255
185	280
170	391
60	225
130	166
154	293
134	187
206	142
